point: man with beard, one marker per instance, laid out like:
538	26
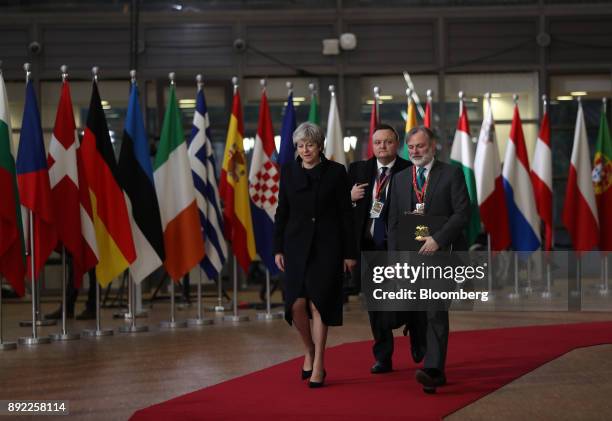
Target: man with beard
432	188
370	181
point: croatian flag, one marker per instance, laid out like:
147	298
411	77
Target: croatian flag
263	186
522	212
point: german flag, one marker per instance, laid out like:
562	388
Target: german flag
111	221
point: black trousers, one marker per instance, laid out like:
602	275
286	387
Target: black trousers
433	327
72	293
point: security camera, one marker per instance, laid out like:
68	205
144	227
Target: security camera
240	44
34	48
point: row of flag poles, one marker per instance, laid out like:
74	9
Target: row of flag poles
114	215
513	201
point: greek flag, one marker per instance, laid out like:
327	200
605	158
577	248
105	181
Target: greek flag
202	161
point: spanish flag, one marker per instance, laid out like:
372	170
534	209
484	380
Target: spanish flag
234	191
180	218
110	216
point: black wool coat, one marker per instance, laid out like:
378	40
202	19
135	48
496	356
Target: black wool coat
313	228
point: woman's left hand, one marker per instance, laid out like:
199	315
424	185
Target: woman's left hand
349	264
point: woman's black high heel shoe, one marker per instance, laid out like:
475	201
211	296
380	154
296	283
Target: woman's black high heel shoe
306	374
314	385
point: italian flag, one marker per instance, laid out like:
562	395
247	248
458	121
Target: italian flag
12	251
462	154
180	220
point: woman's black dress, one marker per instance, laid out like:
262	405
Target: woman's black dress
313	229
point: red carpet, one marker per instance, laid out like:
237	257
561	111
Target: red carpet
479	362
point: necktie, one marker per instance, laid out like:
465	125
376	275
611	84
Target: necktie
420	177
379	225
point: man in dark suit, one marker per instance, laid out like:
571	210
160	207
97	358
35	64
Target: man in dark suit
370	181
436	189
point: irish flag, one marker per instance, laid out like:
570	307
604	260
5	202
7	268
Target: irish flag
462	154
183	241
12	252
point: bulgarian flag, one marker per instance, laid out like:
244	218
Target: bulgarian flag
234	189
602	182
462	154
411	122
180	219
12	251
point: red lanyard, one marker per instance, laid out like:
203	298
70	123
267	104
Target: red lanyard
380	184
420	194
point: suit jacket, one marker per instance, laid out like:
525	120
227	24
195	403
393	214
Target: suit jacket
446	195
365	172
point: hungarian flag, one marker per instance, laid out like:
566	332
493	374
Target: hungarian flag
541	178
203	170
34	188
65	182
12	250
136	177
411	122
427	117
580	209
264	178
110	215
334	141
373	124
602	182
313	113
234	189
180	219
286	151
522	213
489	185
462	154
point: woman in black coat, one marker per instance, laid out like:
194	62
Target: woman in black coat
313	244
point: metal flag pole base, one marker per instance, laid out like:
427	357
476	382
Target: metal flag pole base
172	323
515	294
30	340
7	346
200	320
64	335
98	331
219	307
268	315
235	317
132	327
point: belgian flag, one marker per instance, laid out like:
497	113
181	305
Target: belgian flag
111	221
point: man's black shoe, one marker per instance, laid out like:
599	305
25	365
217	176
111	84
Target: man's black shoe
57	315
86	315
430	378
379	368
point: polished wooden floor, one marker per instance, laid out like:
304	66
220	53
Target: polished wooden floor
109	378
